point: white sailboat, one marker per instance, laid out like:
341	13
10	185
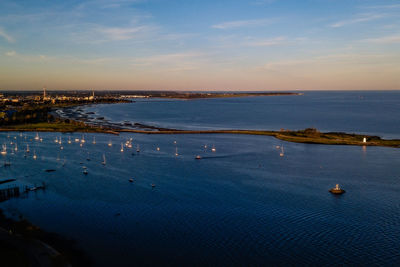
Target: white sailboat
94	140
282	152
56	140
137	148
27	148
16	147
69	140
213	149
83	139
176	152
104	159
109	143
34	154
4	150
37	137
122	147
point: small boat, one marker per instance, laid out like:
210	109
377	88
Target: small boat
94	140
337	190
56	140
213	149
104	159
16	147
85	172
131	180
137	148
34	155
7	163
69	140
83	139
4	150
176	152
37	137
158	149
109	143
282	152
27	149
153	185
122	147
198	157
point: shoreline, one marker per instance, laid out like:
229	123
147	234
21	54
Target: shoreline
306	136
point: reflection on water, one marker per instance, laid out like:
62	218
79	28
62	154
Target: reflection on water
240	205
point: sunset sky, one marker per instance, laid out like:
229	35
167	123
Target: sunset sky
200	44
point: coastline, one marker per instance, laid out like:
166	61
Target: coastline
74	118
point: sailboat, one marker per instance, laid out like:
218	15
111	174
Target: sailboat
137	149
37	137
104	159
16	147
282	152
56	140
94	140
122	147
34	154
61	146
176	152
69	140
4	151
213	149
27	148
83	139
109	143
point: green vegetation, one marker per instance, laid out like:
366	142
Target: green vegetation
57	127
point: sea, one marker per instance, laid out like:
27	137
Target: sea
154	203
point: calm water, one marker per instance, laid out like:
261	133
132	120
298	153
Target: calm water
361	112
240	205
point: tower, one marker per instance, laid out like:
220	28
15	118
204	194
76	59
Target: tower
44	93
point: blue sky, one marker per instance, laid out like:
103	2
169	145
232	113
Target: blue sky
200	45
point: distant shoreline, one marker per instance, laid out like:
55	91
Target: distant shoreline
307	136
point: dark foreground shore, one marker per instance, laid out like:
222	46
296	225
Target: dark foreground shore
24	244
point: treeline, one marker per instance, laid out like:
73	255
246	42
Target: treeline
26	115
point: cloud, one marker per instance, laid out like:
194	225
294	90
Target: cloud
392	39
6	36
269	42
11	53
384	6
358	19
119	33
242	23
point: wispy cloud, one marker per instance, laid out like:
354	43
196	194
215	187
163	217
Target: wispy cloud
383	6
6	36
392	39
242	23
280	40
118	33
10	53
357	19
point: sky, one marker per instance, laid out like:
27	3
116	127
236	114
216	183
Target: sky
200	45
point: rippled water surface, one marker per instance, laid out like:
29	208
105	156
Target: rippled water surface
241	205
